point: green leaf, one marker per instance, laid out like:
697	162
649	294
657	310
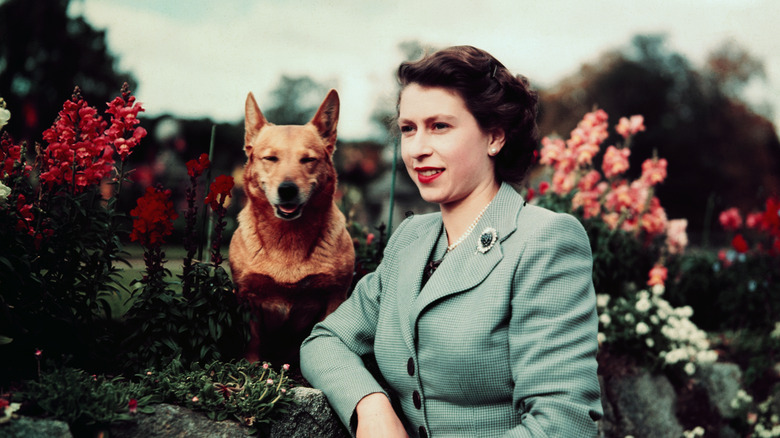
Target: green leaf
4	340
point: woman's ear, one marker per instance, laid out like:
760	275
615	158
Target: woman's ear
496	140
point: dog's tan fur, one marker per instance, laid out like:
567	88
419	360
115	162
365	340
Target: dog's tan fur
291	257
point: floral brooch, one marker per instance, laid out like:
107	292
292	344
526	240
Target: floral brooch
487	239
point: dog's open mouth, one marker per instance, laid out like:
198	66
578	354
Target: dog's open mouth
288	211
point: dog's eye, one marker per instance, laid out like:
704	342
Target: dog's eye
271	158
305	160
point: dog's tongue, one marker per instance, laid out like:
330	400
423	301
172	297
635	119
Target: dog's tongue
288	209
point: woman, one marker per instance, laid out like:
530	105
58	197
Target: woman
481	318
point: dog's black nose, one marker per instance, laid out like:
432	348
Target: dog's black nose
288	191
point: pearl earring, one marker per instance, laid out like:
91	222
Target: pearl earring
493	151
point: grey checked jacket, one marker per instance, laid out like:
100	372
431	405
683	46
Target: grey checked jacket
501	343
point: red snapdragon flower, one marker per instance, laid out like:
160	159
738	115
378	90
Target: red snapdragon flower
76	145
195	168
124	133
154	216
219	191
132	405
739	244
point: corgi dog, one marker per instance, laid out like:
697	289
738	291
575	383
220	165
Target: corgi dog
291	257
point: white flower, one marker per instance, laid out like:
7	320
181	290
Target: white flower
658	290
605	319
629	318
690	368
602	338
5	115
602	300
776	332
654	319
4	192
643	305
642	328
650	342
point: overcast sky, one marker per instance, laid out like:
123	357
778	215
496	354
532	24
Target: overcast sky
199	58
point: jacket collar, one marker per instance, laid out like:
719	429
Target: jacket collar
462	268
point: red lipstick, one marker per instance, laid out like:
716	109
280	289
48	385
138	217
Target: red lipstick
428	177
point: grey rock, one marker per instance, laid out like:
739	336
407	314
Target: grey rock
721	381
644	405
311	416
26	427
175	421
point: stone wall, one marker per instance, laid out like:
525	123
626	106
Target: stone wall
636	403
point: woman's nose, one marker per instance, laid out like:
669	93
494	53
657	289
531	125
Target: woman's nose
418	145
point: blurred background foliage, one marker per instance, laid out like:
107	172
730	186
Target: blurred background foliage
722	151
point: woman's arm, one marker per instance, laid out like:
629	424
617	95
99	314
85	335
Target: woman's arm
331	356
553	334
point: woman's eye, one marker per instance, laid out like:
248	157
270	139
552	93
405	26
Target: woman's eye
406	128
439	126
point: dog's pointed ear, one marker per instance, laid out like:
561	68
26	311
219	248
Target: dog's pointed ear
253	122
327	118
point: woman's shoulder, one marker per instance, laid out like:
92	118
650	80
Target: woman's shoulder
534	219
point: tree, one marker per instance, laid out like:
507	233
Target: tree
717	147
295	100
44	55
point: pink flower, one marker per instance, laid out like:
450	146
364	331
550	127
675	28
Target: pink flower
589	181
38	352
265	366
654	171
657	275
563	181
133	406
195	399
269	382
611	219
553	150
615	161
543	187
286	367
755	220
589	201
654	221
730	219
676	235
369	240
627	127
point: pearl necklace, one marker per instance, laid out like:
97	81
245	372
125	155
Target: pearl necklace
469	229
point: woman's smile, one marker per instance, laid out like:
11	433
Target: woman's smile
426	175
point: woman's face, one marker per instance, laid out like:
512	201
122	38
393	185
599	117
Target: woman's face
443	147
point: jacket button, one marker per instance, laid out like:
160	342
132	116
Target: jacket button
410	367
423	432
416	399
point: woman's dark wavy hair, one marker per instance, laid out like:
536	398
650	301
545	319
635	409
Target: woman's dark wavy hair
496	99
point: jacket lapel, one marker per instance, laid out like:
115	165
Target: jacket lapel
464	267
414	257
